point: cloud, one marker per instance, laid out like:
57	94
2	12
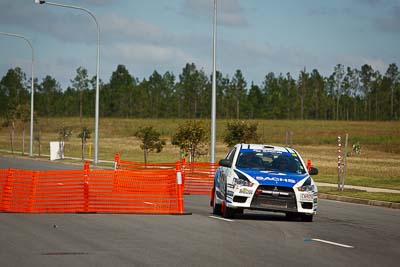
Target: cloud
70	27
230	12
117	28
96	2
146	53
391	22
142	59
371	2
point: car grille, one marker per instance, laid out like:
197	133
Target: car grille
275	198
239	199
307	205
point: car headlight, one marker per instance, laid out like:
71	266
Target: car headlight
241	179
307	186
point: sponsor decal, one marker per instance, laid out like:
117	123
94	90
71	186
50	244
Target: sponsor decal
239	181
306	197
246	191
276	179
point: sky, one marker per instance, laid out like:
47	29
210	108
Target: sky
255	36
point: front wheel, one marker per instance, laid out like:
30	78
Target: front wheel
227	212
216	207
292	215
307	217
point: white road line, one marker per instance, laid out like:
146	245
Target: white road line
148	203
219	218
332	243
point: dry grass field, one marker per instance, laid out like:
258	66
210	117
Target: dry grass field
377	166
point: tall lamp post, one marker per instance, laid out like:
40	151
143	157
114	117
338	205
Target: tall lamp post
96	128
213	90
32	88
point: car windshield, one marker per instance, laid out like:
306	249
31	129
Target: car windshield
270	160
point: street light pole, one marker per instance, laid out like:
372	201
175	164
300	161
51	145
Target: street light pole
213	91
96	127
32	88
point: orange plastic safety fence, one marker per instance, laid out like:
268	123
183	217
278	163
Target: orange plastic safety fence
198	176
119	191
131	165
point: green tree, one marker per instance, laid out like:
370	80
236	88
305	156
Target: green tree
393	76
223	97
316	91
121	100
48	97
23	113
151	141
338	75
238	132
302	87
238	85
81	84
69	104
168	105
10	119
12	90
351	83
191	138
155	87
366	77
255	107
291	97
84	135
192	83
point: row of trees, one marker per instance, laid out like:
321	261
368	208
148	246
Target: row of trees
192	138
346	94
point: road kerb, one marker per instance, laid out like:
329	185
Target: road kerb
376	203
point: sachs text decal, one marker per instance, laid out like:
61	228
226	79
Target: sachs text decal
276	179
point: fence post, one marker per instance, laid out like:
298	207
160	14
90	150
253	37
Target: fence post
291	139
183	169
86	188
116	161
345	160
287	134
180	186
7	191
32	197
339	152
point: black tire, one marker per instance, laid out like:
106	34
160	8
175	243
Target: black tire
307	217
292	215
216	207
228	213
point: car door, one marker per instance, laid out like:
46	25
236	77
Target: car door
223	172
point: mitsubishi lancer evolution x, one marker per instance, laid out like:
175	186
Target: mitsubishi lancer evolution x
264	177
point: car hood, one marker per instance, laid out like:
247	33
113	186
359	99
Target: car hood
276	178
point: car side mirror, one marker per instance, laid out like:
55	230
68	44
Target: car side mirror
225	163
313	171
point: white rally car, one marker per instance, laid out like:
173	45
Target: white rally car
264	177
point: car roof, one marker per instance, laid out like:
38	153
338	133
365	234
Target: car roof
266	147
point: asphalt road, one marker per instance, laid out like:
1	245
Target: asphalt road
342	234
34	164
